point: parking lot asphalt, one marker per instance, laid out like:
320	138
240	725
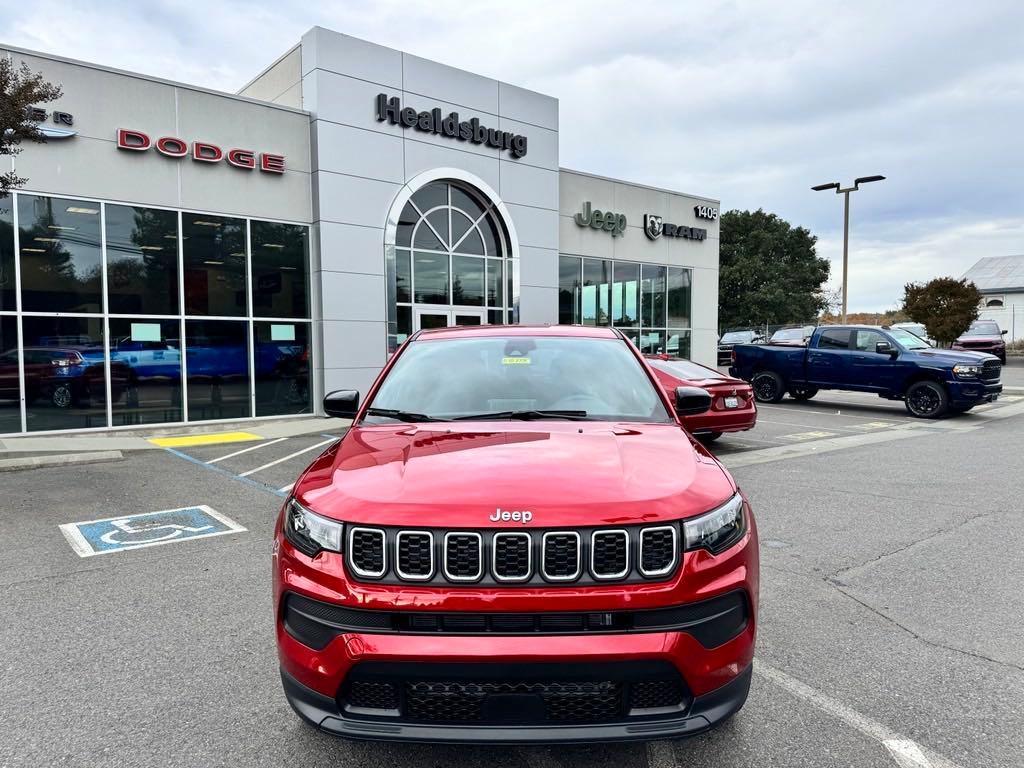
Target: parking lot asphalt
891	598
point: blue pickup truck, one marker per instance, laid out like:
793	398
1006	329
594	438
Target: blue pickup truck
891	362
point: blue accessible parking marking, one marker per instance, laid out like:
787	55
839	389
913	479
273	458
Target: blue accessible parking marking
148	529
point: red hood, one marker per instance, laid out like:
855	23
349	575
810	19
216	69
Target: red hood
571	474
982	339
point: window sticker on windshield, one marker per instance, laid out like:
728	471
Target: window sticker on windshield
515	361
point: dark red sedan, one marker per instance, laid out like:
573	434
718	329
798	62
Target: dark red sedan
732	401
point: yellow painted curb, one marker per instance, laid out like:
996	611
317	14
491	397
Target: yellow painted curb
213	438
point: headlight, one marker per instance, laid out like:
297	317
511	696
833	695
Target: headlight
966	371
309	532
718	529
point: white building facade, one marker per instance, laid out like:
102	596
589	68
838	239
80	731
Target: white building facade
180	255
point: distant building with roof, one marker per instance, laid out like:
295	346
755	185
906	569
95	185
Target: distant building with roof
1001	282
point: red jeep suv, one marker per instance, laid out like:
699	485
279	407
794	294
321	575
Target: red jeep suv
516	542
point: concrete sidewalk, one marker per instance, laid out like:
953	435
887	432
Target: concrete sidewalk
151	438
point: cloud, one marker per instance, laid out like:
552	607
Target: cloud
750	103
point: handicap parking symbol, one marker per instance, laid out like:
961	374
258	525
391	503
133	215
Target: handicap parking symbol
146	529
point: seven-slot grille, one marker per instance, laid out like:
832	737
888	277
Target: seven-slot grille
609	554
512	556
414	559
560	560
657	550
524	557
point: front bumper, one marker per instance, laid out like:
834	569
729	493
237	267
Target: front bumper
703	713
973	391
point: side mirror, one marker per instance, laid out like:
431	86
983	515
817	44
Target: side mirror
342	403
691	401
884	348
1002	333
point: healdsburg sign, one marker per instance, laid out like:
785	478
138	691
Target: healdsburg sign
390	110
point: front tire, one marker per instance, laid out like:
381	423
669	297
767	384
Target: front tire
768	387
803	393
926	400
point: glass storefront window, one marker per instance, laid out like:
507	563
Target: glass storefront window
403	278
625	303
653	299
65	378
214	250
468	281
430	273
596	279
142	260
282	368
151	351
8	288
678	342
494	283
678	297
10	385
217	369
280	264
61	257
569	290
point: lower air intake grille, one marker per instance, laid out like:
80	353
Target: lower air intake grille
655	694
467	701
372	695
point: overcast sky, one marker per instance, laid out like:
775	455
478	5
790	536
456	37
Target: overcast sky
750	103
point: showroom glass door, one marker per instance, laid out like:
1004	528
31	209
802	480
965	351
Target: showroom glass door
426	318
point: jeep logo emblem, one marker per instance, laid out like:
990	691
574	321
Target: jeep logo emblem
504	516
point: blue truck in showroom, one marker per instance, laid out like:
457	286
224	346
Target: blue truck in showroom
891	362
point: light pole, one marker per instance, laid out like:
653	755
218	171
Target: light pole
846	220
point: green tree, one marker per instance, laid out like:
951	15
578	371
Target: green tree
945	306
768	271
20	90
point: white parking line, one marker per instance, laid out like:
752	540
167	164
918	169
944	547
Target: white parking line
906	752
800	409
246	450
286	488
285	458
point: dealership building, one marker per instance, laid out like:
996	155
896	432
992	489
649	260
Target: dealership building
181	255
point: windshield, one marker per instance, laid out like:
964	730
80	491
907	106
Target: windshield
737	337
983	328
907	340
788	334
504	377
684	369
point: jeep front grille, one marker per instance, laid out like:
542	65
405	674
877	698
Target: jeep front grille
527	557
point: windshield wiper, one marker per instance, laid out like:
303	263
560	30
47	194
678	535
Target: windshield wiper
394	413
524	415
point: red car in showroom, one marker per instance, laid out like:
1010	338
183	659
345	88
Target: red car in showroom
732	401
516	541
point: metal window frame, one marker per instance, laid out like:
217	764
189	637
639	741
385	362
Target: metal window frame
181	317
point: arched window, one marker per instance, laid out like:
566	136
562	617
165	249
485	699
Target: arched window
451	264
994	303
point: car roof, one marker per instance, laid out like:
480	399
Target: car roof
484	331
